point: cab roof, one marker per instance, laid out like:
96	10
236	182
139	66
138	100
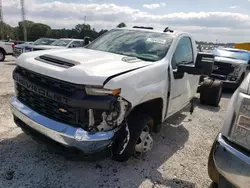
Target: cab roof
174	33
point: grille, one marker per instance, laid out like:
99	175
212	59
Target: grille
47	107
223	68
62	87
220	77
17	51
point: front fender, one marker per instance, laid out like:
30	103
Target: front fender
141	85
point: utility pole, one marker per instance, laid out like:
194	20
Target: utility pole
23	19
84	20
1	21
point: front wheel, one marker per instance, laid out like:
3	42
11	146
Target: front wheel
137	139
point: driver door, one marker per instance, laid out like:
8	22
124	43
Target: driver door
183	85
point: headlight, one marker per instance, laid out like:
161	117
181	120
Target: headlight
241	131
99	91
236	70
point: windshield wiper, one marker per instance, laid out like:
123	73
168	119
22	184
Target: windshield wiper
143	58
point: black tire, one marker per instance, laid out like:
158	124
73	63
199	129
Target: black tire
212	171
136	123
2	55
210	92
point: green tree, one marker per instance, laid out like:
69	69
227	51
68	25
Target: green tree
28	25
82	27
38	30
6	31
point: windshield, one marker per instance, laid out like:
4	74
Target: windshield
146	45
43	41
61	42
241	55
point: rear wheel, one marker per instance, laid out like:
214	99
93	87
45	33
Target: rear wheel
138	139
210	92
2	55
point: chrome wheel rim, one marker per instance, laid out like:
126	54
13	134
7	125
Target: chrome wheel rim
144	143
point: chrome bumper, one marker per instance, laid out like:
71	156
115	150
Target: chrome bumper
231	163
60	132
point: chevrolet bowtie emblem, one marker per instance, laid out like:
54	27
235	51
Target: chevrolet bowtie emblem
62	110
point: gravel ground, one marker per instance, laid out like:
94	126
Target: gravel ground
178	159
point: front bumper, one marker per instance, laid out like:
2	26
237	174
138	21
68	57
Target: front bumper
232	163
226	83
62	133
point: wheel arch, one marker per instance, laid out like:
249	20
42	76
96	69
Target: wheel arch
2	49
153	108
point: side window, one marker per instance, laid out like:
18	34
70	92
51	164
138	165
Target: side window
76	44
183	53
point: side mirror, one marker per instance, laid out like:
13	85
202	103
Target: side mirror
72	45
203	65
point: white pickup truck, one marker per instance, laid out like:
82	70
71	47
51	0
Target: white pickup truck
114	92
6	48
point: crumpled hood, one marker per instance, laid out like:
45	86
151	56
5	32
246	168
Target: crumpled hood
229	60
92	67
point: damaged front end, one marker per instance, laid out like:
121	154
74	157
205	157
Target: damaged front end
103	120
107	120
74	115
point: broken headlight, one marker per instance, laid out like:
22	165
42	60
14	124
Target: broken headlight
100	91
241	131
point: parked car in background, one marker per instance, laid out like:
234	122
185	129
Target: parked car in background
61	43
231	66
230	154
29	43
27	46
6	48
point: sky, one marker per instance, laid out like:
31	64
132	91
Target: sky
207	20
